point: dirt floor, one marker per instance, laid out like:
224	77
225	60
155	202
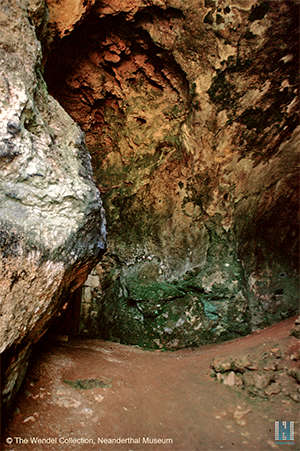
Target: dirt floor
93	394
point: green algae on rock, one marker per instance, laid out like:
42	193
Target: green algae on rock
88	384
190	113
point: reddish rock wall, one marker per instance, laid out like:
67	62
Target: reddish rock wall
190	114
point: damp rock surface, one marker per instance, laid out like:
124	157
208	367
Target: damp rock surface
52	227
190	114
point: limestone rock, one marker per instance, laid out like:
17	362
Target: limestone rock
295	397
242	363
295	372
256	381
221	365
65	14
52	228
190	112
273	389
296	329
232	379
270	365
269	370
295	355
220	377
276	352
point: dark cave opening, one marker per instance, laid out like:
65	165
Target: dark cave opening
115	77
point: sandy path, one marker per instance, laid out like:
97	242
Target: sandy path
156	395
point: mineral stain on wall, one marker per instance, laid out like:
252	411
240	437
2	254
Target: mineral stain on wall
190	114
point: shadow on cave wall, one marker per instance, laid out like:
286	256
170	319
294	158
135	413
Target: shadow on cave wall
203	244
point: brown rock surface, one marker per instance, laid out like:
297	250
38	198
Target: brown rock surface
264	377
64	15
190	113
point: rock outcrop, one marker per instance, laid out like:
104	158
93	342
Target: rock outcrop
52	227
190	112
271	370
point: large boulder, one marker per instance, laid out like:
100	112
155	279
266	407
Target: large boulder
52	227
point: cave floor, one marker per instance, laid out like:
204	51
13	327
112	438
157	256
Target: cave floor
135	395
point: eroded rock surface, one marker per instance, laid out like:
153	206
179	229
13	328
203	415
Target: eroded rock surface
190	113
269	370
64	15
52	228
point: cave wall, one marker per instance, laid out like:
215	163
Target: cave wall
191	116
52	225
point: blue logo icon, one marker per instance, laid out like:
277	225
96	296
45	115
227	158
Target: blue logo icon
284	432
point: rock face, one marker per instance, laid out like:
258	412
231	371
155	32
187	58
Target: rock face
64	15
267	372
190	113
52	228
